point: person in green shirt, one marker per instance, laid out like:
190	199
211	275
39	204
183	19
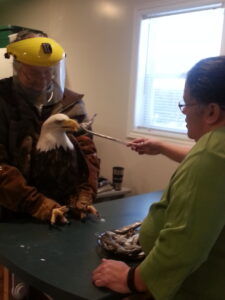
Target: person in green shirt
183	235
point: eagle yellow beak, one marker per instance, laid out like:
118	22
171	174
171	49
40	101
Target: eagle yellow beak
70	125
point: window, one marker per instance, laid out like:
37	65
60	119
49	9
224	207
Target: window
170	43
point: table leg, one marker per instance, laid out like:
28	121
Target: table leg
6	284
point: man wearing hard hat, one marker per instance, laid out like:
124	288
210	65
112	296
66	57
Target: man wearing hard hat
34	92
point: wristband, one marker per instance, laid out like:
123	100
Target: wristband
130	280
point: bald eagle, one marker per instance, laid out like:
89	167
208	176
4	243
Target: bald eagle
56	165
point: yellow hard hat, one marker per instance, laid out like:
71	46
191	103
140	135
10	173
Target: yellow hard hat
37	51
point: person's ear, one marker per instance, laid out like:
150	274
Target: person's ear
213	113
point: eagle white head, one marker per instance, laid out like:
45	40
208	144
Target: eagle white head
53	133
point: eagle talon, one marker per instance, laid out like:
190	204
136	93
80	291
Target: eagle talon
92	210
80	208
59	214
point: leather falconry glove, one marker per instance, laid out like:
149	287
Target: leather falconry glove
80	206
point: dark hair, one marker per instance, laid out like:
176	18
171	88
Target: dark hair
206	80
27	33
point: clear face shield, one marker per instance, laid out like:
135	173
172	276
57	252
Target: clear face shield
42	85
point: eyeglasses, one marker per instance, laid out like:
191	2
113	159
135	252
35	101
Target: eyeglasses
182	106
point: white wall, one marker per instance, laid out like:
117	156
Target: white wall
6	65
97	36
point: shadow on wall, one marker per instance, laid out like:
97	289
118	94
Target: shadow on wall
7	5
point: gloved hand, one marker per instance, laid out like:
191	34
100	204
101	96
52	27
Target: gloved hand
80	206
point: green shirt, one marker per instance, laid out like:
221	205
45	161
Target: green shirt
183	235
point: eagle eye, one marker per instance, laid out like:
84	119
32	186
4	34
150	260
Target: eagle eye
59	122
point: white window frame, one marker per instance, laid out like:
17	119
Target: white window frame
161	7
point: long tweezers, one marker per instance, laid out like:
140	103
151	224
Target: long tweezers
105	136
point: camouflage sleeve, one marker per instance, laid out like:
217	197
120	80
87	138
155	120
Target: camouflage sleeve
17	196
87	190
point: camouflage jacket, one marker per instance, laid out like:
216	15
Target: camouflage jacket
20	119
